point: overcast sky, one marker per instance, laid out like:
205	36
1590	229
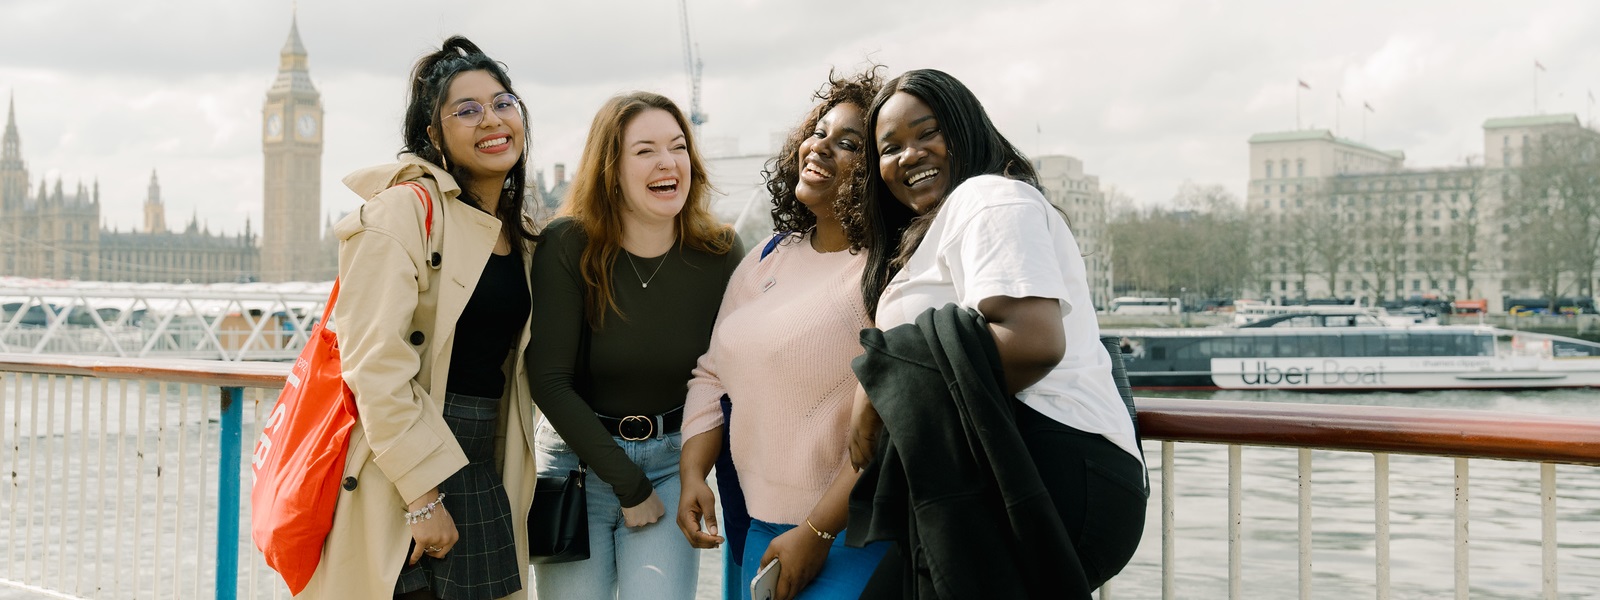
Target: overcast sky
1147	94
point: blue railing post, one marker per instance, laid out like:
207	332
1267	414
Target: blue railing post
228	469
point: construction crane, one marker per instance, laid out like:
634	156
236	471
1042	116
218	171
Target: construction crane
692	66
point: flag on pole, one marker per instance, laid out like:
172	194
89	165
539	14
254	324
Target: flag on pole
1368	106
1591	95
1038	128
1340	96
1304	84
1537	65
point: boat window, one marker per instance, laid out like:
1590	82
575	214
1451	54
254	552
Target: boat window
1480	345
1435	345
1339	320
1354	345
1565	349
1389	344
1233	347
1328	345
1267	346
1292	346
1215	348
1158	352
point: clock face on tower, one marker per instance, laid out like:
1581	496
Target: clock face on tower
307	125
274	125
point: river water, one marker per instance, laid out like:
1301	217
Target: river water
1504	500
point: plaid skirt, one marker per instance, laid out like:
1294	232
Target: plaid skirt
483	564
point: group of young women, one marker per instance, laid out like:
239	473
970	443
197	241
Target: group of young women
642	341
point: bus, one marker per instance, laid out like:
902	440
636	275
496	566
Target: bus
1146	306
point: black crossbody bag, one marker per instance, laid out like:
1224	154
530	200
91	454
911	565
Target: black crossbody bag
558	522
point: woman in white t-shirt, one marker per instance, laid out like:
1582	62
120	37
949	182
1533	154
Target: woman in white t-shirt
954	215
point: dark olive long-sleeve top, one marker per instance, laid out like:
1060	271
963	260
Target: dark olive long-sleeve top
639	361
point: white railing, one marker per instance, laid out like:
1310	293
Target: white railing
1456	435
123	477
200	322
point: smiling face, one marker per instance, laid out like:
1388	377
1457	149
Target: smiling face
912	158
655	166
489	150
834	145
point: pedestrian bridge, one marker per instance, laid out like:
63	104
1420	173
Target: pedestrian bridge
228	322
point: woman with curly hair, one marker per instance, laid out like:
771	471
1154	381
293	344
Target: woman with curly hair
629	279
781	354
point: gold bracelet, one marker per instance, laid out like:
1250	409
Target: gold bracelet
820	533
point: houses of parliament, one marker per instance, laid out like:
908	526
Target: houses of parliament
48	231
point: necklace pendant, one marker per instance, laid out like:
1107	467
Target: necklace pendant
644	284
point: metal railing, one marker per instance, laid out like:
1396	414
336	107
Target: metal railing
128	321
123	477
1381	431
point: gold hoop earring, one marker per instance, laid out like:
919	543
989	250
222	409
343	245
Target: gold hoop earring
444	161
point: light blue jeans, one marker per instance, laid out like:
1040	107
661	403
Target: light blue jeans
654	561
844	574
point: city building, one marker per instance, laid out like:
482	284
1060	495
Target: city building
56	234
1078	195
291	143
552	196
1338	218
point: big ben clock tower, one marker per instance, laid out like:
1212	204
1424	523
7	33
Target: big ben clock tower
291	140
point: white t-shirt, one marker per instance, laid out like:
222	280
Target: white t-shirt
999	237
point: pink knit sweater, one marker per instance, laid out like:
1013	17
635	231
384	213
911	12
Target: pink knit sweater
788	327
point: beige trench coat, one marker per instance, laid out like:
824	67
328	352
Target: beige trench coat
399	301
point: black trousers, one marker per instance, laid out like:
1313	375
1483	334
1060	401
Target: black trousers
1099	490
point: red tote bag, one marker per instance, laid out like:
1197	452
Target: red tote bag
300	454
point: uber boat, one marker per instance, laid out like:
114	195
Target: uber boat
1354	352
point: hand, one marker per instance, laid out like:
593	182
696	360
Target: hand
697	502
644	513
434	536
802	552
865	424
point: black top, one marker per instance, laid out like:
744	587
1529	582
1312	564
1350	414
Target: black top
639	361
488	328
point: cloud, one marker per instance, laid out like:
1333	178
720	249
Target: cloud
1149	95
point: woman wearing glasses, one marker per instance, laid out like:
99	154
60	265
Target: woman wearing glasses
629	282
433	319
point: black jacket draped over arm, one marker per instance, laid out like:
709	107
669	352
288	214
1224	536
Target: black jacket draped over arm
953	483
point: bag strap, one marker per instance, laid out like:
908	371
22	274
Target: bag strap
333	296
772	243
427	201
427	229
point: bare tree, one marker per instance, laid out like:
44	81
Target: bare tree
1296	233
1329	234
1553	205
1202	245
1463	238
1383	242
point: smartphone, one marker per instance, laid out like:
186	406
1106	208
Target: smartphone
765	584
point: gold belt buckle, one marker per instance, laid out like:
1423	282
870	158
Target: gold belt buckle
649	432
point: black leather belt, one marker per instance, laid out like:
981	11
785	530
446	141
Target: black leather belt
643	427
